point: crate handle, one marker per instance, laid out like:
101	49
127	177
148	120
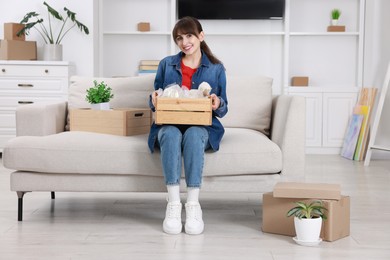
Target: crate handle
139	114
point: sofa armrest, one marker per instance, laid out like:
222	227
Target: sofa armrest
288	127
41	118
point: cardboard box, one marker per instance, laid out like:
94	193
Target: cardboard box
275	220
18	50
183	111
307	190
10	31
300	81
125	122
143	27
336	28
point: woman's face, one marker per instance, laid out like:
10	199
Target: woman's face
189	43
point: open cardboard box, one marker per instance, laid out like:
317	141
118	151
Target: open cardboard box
275	209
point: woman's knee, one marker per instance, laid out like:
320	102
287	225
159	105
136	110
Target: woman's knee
169	133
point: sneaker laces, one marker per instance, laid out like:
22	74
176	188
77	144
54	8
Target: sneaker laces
173	210
193	211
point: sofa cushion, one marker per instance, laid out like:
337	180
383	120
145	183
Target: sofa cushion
128	92
250	103
243	151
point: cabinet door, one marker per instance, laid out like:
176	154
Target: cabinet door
338	109
313	118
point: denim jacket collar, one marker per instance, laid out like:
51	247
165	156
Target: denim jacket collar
177	59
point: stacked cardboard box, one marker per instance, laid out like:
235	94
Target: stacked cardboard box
15	47
123	122
276	204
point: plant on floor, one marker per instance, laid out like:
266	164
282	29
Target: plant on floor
46	31
308	221
99	93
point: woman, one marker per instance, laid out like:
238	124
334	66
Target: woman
193	65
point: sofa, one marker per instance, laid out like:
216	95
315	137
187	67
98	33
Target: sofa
263	144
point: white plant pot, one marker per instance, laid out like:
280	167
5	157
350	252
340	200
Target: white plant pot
308	230
335	21
52	52
101	106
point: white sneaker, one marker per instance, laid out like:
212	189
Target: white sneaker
194	222
172	222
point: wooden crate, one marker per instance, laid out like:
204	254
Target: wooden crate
127	121
183	111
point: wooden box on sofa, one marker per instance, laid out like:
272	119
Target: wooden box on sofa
183	111
125	122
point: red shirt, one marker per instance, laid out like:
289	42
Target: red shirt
187	73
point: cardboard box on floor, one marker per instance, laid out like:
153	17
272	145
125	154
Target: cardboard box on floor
275	209
125	122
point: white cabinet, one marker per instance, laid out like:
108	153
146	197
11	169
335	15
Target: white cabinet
27	82
328	111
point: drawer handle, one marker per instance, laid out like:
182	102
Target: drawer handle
3	70
25	85
25	102
138	114
46	71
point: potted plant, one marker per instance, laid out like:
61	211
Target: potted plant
335	15
53	39
99	96
308	219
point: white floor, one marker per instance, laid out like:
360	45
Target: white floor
128	225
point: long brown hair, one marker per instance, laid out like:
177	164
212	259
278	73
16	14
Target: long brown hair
191	25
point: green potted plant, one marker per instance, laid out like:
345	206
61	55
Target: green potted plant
308	219
335	15
99	96
52	39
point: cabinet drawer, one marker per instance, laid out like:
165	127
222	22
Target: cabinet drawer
10	103
33	71
24	85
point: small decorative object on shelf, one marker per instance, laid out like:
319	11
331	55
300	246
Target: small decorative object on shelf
300	81
308	221
335	15
143	27
99	96
53	48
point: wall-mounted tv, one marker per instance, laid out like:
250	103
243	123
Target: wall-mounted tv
231	9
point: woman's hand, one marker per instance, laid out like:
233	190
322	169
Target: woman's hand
215	101
154	98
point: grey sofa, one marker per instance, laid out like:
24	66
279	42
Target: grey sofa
263	144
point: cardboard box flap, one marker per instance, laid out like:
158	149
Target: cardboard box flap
307	190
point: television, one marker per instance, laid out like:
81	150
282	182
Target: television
231	9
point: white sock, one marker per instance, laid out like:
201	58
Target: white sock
193	194
173	193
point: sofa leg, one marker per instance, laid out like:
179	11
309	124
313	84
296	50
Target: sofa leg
53	195
20	204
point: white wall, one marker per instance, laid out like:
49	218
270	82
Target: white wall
376	60
77	47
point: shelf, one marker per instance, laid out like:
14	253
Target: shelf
136	33
245	34
313	89
324	34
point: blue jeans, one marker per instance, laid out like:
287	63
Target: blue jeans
191	142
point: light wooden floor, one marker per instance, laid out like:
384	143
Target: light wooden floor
128	225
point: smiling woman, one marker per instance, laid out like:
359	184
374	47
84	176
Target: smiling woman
193	65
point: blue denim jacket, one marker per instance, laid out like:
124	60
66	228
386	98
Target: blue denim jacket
169	72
